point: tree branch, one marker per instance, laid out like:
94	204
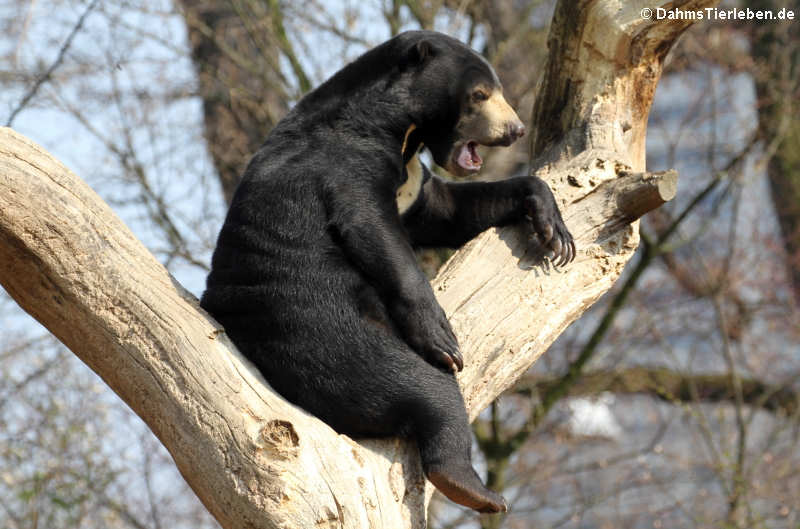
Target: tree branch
671	386
55	64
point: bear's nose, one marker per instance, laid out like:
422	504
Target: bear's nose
515	131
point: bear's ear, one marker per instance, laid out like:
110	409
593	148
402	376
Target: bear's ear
419	53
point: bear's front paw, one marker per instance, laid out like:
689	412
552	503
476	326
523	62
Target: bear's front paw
427	331
544	220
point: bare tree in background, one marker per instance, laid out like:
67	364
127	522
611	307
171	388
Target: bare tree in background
237	48
776	58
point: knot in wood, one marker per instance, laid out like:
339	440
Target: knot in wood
280	438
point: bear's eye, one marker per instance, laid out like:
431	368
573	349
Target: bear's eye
480	95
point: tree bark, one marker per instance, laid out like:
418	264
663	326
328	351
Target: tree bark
253	459
236	54
775	48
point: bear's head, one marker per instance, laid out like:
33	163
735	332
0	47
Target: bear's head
457	101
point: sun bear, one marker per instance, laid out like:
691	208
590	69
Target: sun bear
314	276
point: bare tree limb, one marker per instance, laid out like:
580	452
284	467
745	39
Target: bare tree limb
672	386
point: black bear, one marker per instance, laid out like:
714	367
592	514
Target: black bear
314	276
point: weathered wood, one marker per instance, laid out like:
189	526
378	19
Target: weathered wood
507	308
253	459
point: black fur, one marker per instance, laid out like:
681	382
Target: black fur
314	277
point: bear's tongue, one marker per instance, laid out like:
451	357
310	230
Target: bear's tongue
468	157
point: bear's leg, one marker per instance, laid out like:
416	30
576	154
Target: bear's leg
386	389
444	439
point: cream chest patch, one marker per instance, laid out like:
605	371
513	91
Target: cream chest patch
408	193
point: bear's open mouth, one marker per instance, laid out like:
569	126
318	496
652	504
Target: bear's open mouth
467	156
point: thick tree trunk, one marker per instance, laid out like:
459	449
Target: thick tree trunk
255	460
236	46
775	48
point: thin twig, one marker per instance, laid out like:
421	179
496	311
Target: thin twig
59	59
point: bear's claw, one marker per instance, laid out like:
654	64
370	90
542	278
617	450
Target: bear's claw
545	222
473	495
